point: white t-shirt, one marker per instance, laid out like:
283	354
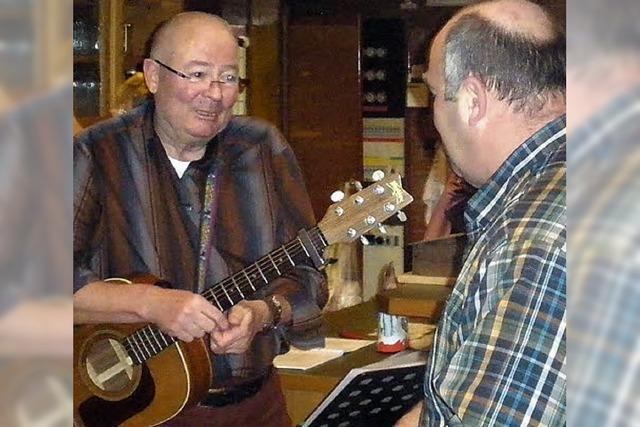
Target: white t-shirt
179	165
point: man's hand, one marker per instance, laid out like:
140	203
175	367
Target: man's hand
245	320
411	418
183	314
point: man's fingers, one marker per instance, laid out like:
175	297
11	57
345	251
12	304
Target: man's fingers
237	314
190	331
215	315
197	331
239	347
182	336
237	336
245	326
218	341
225	339
206	324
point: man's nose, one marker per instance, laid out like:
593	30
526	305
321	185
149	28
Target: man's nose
214	90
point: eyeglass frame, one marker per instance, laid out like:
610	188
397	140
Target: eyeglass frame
242	82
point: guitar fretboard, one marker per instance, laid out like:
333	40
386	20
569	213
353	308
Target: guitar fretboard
150	340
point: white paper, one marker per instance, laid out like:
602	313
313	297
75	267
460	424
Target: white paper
306	359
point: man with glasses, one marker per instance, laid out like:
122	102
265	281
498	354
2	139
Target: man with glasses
182	189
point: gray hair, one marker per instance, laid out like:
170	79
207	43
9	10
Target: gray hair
523	71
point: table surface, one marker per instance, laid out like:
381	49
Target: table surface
360	320
305	389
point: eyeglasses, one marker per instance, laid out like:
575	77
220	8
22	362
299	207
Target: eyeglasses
226	79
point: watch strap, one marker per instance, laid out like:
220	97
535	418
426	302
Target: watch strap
275	308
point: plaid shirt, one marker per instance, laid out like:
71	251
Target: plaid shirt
499	352
604	302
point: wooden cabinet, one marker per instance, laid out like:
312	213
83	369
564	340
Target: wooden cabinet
322	111
90	80
94	56
109	40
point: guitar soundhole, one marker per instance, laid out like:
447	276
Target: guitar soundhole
109	368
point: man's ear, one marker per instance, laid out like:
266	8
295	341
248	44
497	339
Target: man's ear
474	99
151	70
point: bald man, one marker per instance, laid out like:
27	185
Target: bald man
497	75
181	189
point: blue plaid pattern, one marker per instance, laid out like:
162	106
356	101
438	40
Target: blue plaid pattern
604	303
499	353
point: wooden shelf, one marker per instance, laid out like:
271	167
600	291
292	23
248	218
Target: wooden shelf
86	59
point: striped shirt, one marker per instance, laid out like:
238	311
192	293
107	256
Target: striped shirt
132	214
499	352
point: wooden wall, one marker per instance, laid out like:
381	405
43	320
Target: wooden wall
323	116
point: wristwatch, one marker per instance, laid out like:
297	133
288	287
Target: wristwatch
275	308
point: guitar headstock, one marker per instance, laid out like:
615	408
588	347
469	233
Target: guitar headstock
350	218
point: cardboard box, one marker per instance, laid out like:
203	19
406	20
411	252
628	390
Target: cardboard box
439	257
415	300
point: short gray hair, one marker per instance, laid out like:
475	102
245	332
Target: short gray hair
523	71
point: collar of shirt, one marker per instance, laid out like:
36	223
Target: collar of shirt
488	202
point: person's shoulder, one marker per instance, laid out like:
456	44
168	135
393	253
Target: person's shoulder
250	124
538	212
107	131
255	131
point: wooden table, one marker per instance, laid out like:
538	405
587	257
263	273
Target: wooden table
304	390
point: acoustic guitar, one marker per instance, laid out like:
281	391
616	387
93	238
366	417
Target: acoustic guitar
136	375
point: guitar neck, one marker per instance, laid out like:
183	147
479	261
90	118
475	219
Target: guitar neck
241	285
150	340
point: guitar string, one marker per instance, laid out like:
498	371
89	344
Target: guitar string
266	266
294	249
145	341
218	290
221	290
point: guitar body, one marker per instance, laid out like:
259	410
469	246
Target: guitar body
110	390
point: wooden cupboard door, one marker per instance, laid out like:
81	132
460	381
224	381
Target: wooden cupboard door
322	114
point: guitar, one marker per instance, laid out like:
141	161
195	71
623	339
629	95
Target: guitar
136	375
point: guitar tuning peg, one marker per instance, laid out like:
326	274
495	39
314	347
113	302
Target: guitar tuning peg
382	229
337	196
402	216
358	185
364	240
377	175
